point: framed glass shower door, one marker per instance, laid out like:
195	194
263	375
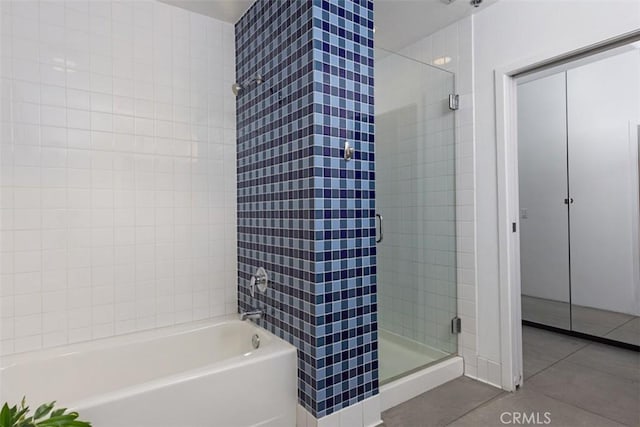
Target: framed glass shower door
415	196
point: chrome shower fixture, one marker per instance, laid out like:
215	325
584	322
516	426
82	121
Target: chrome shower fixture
475	3
236	88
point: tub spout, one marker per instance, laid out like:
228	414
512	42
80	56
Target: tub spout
252	315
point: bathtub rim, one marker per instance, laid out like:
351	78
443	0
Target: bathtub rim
273	350
235	362
134	337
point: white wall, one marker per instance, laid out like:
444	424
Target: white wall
455	41
118	170
511	31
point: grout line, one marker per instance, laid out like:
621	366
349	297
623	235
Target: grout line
588	410
621	325
559	360
568	403
604	335
622	378
503	393
481	405
585	410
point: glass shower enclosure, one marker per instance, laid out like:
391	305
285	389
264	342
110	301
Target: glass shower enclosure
416	207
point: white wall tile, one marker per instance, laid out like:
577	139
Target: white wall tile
105	223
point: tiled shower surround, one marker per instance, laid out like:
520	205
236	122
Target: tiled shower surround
118	173
304	214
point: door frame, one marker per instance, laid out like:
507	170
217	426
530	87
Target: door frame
505	87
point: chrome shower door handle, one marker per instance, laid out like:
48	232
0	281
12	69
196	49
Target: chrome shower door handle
381	234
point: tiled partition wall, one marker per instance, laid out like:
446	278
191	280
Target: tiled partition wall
117	167
304	213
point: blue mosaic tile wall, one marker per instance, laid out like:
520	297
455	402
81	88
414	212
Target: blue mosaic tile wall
304	213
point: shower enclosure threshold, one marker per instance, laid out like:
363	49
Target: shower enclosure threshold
421	381
400	356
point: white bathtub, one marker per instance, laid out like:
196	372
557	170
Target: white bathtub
201	375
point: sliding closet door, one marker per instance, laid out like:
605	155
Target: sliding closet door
542	168
603	112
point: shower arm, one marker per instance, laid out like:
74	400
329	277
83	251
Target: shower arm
236	88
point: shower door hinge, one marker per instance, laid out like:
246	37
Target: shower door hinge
456	325
454	101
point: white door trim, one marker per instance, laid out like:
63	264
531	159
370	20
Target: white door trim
508	201
508	240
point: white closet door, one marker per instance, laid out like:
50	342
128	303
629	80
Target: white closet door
603	103
542	169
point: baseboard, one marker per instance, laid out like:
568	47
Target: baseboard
365	413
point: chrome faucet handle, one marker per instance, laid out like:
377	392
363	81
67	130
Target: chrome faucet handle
260	279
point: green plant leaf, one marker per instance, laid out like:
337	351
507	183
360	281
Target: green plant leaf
43	410
58	412
5	416
44	416
66	420
58	419
19	416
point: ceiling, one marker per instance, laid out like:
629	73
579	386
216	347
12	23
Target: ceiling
417	18
224	10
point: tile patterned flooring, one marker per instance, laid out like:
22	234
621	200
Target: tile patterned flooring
579	383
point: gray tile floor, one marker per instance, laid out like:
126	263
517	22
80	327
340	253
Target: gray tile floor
578	383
